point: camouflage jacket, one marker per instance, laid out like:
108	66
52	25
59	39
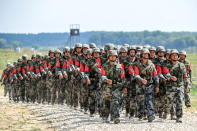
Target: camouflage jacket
94	66
51	64
115	73
148	72
179	71
188	68
5	75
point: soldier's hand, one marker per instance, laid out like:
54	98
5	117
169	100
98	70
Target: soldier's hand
65	76
144	81
109	82
60	76
156	89
186	90
88	82
173	78
125	91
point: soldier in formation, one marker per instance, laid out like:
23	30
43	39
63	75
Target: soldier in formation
144	81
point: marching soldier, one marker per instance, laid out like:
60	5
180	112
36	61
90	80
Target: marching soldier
113	78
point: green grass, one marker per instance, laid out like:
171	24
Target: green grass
192	58
8	55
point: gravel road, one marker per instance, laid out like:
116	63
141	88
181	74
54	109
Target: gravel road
63	118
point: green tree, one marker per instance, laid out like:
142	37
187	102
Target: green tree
3	43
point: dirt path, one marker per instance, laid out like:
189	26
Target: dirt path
17	117
35	117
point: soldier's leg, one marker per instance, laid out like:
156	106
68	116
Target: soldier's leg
75	96
22	91
5	90
132	101
140	106
44	92
10	91
34	91
81	97
169	101
187	98
39	91
85	100
92	102
54	93
106	108
173	111
127	106
149	104
179	105
18	91
133	106
115	106
62	92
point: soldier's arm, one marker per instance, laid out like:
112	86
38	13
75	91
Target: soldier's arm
137	74
104	78
3	76
156	79
185	77
159	72
166	73
190	72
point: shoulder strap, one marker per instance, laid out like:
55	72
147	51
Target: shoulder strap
147	67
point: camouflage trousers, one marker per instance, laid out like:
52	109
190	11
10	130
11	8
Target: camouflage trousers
55	90
145	101
15	91
159	99
132	99
62	91
187	97
75	93
49	85
111	103
8	89
28	90
39	90
174	97
84	97
68	92
23	90
93	97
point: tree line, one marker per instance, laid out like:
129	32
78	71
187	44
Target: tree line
180	40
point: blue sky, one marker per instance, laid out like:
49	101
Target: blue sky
35	16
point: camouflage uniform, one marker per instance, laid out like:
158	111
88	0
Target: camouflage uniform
51	67
94	91
159	98
6	79
66	63
174	92
111	94
24	81
123	60
189	74
145	92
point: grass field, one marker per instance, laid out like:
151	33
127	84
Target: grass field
9	55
